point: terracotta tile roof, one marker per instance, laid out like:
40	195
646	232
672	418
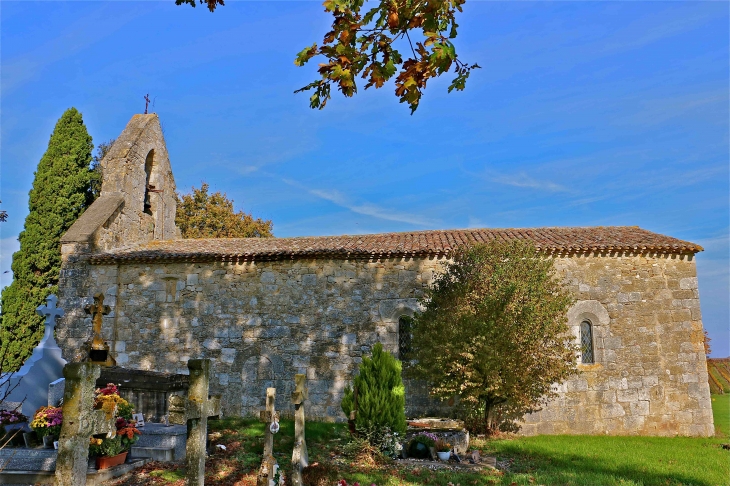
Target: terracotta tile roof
384	245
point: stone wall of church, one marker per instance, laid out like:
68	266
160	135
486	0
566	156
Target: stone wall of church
650	372
260	322
263	322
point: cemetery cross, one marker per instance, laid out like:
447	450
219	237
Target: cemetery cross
300	457
270	417
99	352
50	312
80	422
194	411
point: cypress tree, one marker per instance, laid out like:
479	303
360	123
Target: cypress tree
381	400
60	193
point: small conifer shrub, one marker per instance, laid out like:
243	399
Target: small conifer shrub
381	400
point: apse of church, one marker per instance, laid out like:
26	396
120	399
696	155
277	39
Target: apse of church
266	309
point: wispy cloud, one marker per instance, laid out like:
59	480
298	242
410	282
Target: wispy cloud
639	34
648	182
77	37
365	208
524	180
659	110
476	223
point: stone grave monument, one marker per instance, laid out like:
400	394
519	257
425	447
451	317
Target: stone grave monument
45	379
270	417
300	457
98	348
194	411
30	383
80	422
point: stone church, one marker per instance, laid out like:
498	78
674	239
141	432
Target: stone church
265	309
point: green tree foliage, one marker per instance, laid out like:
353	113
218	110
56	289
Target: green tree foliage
60	193
96	170
381	400
369	44
203	215
494	332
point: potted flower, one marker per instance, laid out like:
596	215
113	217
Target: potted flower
421	444
109	452
127	430
47	424
443	450
10	425
112	451
109	400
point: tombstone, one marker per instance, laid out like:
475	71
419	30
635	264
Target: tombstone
80	422
194	411
55	392
45	365
270	416
300	456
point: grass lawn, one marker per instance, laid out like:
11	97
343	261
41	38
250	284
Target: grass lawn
594	460
546	460
721	412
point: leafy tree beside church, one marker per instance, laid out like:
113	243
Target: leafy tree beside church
61	192
494	333
203	215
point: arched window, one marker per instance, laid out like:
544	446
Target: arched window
404	336
586	342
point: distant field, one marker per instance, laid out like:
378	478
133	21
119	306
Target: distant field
719	371
721	412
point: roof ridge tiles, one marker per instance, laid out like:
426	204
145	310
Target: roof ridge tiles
429	242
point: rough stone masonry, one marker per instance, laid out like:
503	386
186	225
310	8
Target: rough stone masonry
265	309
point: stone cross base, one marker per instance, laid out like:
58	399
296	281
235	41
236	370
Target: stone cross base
267	472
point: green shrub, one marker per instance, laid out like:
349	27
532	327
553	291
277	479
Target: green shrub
381	400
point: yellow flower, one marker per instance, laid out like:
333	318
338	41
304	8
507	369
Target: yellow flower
109	403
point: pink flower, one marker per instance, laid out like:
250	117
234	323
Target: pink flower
109	389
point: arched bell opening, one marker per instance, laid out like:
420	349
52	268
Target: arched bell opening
149	166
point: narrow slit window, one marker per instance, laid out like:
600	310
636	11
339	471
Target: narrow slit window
586	343
404	336
148	166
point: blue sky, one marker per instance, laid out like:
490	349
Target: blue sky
585	113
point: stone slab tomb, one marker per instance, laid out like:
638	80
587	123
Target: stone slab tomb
148	391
